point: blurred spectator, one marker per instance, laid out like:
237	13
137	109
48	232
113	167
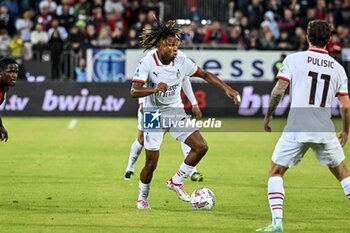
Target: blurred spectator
215	34
6	21
48	3
304	19
24	25
16	46
82	4
76	38
287	23
131	13
133	40
66	18
65	4
80	71
344	34
82	15
300	39
4	43
104	38
235	37
56	49
334	45
275	7
91	36
97	4
112	5
151	18
140	24
199	34
266	40
11	6
55	26
45	16
320	10
154	6
244	23
116	21
195	15
118	37
255	13
253	39
285	42
97	18
39	38
238	15
188	34
271	23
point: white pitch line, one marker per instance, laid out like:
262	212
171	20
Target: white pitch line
72	123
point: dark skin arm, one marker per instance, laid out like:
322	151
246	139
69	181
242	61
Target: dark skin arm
212	79
138	90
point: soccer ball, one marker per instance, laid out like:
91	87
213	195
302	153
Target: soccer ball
203	199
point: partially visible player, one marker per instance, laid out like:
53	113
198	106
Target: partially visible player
8	77
315	79
137	146
163	72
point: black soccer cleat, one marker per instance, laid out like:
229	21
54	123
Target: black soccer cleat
128	175
197	177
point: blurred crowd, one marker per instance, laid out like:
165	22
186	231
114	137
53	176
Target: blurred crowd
271	25
81	24
28	27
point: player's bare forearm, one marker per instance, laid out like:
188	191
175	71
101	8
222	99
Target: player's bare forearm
138	90
276	95
212	79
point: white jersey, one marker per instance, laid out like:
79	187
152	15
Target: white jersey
151	71
315	79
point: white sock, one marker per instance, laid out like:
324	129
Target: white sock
275	194
186	150
183	172
135	151
345	183
144	191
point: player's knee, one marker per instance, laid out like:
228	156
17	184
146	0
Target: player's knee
151	164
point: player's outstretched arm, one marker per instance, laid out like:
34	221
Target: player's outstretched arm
212	79
345	108
3	132
138	90
276	95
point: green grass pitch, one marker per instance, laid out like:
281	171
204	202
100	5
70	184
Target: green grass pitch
54	179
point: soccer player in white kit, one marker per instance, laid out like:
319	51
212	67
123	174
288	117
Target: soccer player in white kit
137	145
315	79
163	72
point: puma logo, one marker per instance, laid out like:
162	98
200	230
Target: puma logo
156	74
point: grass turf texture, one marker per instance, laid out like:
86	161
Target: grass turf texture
55	179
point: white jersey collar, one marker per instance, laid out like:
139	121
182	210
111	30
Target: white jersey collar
157	60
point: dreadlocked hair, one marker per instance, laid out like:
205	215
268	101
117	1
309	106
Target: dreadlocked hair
151	37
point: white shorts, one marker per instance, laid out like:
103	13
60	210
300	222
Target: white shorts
288	152
154	138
